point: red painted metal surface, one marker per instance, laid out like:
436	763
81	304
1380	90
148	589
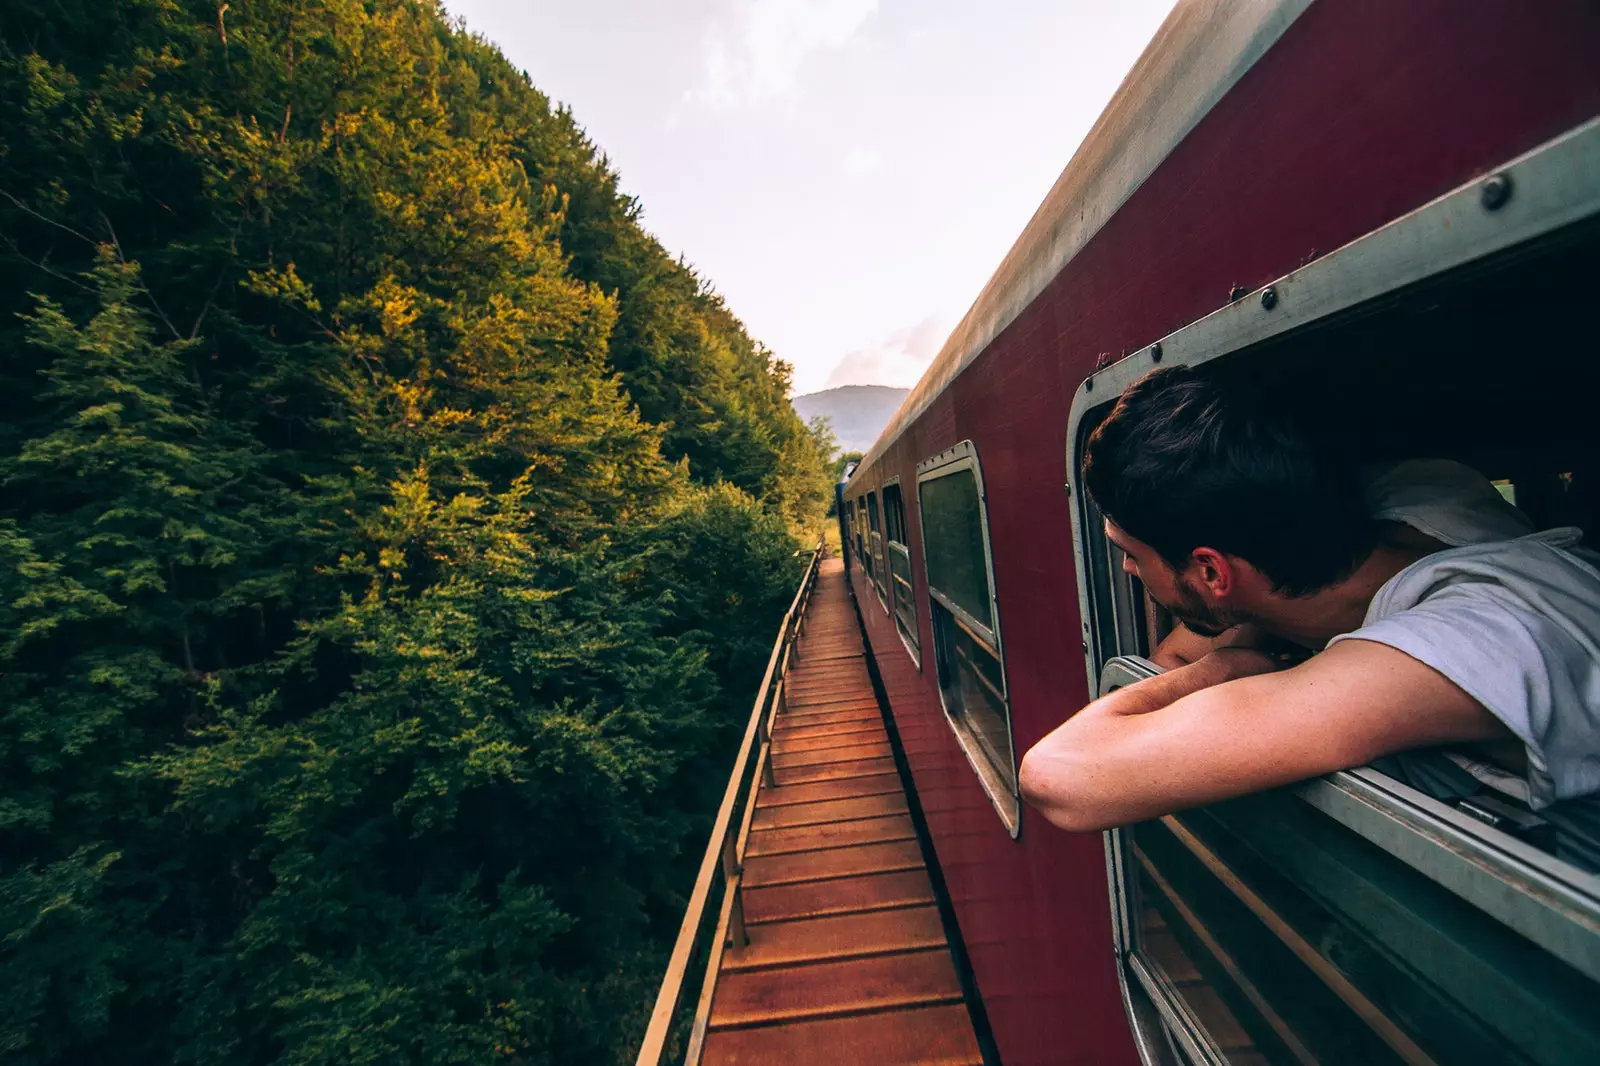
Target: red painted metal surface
1362	111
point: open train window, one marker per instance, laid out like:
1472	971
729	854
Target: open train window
903	601
1393	913
966	621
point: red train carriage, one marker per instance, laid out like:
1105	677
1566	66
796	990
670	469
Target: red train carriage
1394	209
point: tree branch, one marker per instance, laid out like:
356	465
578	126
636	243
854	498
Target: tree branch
47	220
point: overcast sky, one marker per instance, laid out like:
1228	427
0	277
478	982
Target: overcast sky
847	173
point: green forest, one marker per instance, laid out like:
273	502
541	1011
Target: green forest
392	534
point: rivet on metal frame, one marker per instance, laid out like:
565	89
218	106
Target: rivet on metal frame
1155	352
1269	298
1088	383
1495	192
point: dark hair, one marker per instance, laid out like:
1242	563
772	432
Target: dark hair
1194	458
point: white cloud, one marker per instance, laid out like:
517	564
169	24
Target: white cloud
898	359
758	54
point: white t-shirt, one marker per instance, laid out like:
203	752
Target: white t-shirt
1510	616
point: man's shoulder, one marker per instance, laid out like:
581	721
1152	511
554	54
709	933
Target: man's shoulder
1548	571
1444	499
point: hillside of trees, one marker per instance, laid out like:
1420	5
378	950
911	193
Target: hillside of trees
391	536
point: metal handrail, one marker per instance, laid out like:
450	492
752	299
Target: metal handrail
725	850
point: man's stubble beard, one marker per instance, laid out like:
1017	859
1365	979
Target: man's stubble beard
1197	616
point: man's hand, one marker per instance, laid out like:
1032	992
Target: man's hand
1233	663
1232	723
1183	645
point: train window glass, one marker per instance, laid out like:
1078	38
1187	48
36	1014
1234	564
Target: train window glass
1403	913
901	594
1126	625
893	513
965	621
861	537
875	546
953	541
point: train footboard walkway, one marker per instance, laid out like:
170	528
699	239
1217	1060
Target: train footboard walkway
847	959
830	948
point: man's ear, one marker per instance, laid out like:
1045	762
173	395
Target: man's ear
1214	571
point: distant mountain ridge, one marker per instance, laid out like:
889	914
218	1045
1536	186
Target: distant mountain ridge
857	413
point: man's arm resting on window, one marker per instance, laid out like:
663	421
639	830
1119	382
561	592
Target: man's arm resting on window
1203	732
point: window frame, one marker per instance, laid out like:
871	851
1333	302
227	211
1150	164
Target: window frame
875	542
862	554
913	640
848	513
1551	903
964	456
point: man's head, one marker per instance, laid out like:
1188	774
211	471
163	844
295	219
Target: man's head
1219	498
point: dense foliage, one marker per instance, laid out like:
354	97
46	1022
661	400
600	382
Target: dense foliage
391	533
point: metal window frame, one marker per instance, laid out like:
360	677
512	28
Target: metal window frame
883	490
1156	1013
913	644
1552	903
876	541
964	456
855	530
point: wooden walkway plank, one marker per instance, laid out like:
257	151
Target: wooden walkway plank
847	895
828	812
804	838
832	714
870	749
824	729
850	788
837	938
836	771
786	744
830	989
847	959
930	1036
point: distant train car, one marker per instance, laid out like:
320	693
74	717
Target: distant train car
1392	208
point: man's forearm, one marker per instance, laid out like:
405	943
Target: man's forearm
1157	692
1064	775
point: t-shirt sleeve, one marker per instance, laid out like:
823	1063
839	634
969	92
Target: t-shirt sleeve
1525	669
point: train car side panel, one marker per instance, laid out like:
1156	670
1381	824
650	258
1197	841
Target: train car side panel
1361	112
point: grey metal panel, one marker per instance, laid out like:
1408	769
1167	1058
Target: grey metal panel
1199	53
1552	903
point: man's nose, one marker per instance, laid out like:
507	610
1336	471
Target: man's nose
1128	567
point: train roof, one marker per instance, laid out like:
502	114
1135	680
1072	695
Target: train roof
1202	49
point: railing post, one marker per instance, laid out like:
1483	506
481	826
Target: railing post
768	780
737	936
732	877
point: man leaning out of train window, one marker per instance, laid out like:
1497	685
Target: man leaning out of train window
1436	614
